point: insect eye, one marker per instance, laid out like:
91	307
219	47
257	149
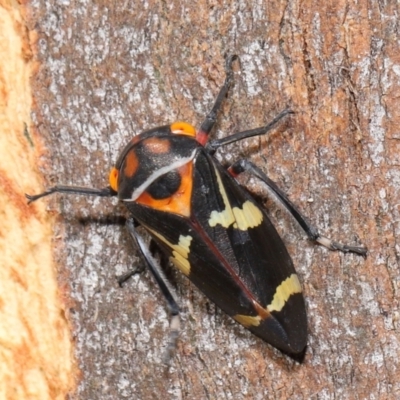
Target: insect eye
165	186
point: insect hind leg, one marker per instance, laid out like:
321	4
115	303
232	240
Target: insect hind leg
312	232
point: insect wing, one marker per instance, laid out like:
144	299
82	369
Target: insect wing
231	251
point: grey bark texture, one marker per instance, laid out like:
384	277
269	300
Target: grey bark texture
109	70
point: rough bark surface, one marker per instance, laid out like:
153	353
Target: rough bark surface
110	70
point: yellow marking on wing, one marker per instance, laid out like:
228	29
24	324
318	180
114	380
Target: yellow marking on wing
283	292
247	320
180	251
287	288
249	216
181	263
225	217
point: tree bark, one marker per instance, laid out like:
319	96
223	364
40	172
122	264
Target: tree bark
110	70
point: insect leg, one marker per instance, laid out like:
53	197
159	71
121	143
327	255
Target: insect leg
213	145
312	232
121	279
156	271
105	192
209	121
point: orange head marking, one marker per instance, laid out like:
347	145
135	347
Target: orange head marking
131	164
183	128
113	179
157	145
180	201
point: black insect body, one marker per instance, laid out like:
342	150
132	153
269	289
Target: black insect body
211	228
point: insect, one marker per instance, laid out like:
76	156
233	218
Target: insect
210	227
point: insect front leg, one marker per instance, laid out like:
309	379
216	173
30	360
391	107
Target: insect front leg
156	271
213	145
211	117
104	192
312	232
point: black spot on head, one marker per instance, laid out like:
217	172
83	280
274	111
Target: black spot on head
165	186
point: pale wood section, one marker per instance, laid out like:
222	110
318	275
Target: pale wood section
36	359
